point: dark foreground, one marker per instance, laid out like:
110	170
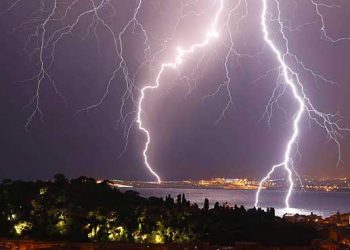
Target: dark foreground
30	244
96	216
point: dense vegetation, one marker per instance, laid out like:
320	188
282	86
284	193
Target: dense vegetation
84	210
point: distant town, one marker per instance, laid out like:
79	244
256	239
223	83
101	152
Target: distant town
304	183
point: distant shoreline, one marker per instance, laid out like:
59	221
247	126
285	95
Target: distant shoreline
240	189
306	183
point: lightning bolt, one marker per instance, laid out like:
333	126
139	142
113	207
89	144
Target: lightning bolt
55	20
328	122
181	53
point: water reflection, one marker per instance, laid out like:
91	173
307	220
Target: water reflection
320	203
282	211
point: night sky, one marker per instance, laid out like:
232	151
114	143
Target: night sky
187	142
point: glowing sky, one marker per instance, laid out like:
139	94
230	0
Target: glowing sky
188	141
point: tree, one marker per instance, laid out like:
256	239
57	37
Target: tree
178	200
60	179
206	205
183	199
216	206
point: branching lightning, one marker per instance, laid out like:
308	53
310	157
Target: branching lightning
328	122
56	20
181	53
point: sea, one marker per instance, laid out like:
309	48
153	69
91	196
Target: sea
301	202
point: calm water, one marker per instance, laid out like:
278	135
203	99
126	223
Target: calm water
321	203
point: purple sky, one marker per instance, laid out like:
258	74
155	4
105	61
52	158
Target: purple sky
186	140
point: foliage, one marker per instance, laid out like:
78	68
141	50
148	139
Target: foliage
83	209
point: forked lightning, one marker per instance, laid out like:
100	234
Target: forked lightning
55	20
